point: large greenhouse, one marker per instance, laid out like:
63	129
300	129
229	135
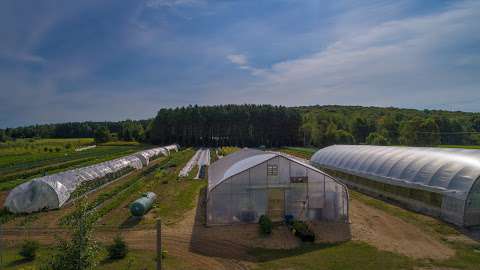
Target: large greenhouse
250	183
442	182
53	191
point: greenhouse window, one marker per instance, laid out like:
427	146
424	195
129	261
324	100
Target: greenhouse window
272	170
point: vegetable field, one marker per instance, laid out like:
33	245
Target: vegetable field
24	159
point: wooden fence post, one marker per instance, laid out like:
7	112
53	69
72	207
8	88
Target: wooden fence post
159	244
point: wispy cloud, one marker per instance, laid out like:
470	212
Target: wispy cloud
238	59
241	61
172	3
386	64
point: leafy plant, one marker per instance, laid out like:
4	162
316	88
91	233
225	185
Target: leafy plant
301	230
28	250
117	250
265	224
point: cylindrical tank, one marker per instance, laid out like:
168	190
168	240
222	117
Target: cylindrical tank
141	206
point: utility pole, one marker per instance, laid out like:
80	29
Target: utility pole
159	244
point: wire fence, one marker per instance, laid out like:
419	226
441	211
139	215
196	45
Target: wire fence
139	238
143	240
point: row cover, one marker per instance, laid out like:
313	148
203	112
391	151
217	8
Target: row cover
53	191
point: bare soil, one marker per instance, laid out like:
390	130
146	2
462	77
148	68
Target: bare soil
387	232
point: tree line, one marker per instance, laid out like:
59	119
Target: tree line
240	125
326	125
255	125
129	130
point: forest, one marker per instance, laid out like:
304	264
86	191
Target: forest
272	126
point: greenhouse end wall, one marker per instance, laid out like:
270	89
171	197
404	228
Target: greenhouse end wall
307	194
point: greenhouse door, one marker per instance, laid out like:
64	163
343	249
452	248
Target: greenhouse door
276	204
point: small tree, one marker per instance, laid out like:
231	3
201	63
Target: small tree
28	250
117	250
3	135
102	135
80	252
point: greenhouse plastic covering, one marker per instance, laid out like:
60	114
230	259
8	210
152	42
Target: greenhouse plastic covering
200	158
239	187
451	172
190	164
53	191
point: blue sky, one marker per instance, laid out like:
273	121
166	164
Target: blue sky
111	60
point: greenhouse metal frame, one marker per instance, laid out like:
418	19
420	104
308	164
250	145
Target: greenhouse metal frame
250	183
442	182
53	191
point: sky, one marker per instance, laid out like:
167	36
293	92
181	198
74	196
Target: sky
116	59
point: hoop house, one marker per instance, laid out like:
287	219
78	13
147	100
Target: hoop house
442	182
249	183
53	191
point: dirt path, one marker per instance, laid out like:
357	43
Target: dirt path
390	233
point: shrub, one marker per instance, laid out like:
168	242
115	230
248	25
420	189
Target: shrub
57	149
28	250
265	224
301	230
117	250
79	251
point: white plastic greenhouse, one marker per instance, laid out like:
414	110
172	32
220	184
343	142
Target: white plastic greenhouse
250	183
53	191
443	182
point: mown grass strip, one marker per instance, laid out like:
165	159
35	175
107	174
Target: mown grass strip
342	256
302	152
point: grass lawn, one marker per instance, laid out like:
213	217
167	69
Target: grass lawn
349	255
302	152
136	259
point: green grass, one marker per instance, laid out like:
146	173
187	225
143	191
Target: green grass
226	150
302	152
181	195
460	146
213	155
136	259
349	255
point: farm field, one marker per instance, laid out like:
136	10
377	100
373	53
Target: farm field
25	159
382	236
